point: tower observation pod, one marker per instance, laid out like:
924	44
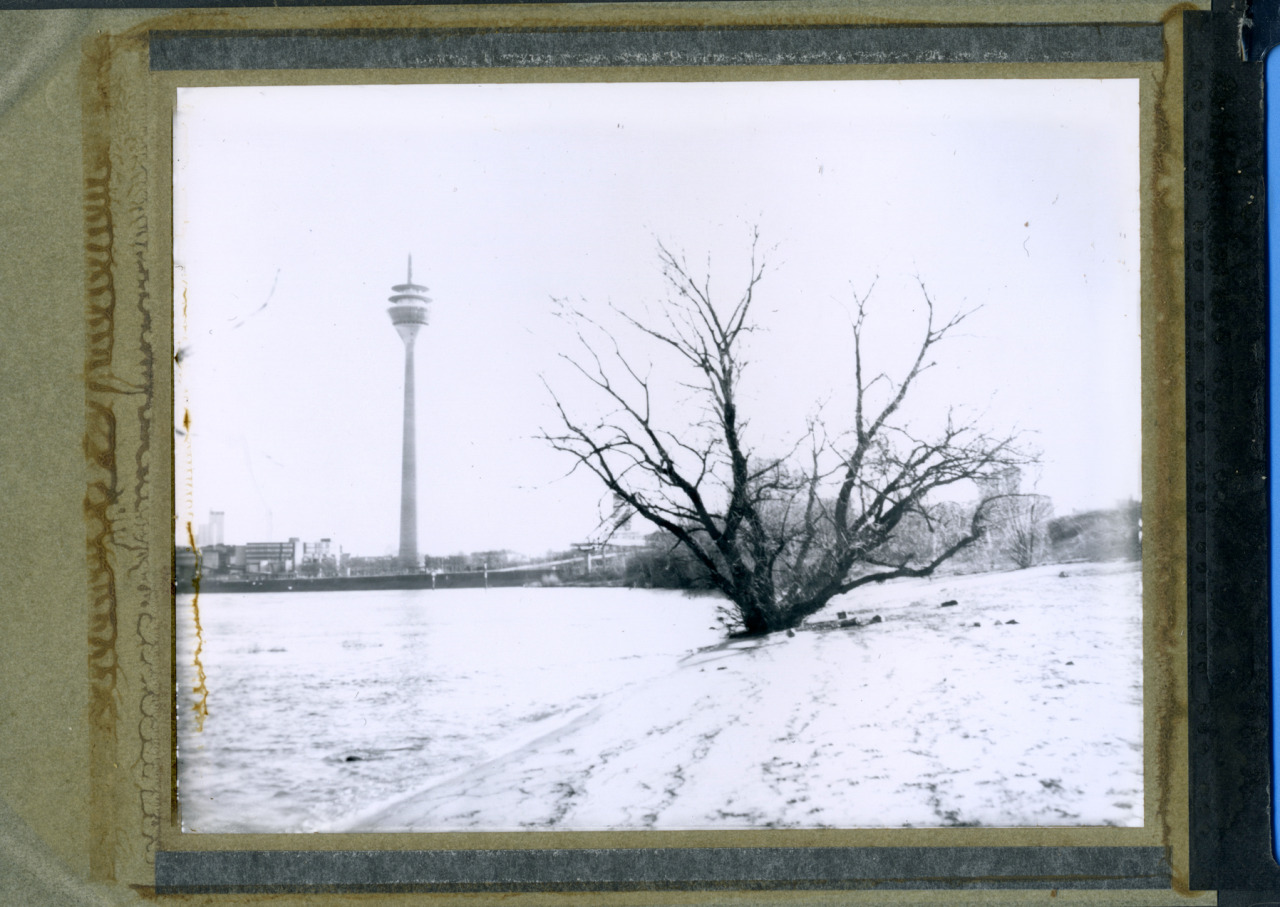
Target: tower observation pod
408	313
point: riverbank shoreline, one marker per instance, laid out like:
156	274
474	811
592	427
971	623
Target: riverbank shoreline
524	576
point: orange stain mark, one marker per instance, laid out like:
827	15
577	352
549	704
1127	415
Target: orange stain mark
201	689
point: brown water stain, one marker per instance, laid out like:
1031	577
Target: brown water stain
201	706
100	454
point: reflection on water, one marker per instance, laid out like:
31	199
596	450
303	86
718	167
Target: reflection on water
322	704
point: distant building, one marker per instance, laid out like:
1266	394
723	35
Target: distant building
1007	481
184	563
215	562
211	559
272	557
371	566
321	558
496	559
619	529
618	534
211	533
222	561
317	551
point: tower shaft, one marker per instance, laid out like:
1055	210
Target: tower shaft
409	468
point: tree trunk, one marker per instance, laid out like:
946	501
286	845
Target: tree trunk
753	620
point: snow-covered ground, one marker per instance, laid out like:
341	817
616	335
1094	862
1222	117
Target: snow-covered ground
1019	705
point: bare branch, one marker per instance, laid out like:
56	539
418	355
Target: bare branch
778	535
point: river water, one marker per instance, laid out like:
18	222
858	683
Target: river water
321	705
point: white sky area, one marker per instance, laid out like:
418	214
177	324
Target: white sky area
296	207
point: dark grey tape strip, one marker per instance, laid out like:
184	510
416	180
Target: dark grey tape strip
878	868
1230	667
367	49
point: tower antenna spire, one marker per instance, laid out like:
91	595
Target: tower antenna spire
410	280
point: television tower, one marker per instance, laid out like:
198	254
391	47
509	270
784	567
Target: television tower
408	313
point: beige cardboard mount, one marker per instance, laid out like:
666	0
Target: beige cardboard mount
87	796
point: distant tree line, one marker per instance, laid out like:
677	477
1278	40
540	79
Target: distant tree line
1023	533
1098	535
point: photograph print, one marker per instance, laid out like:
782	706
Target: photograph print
666	455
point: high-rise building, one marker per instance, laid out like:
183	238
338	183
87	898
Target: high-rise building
217	522
211	533
408	313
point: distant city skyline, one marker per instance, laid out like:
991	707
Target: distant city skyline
296	208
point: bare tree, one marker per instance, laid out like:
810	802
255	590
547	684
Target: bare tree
1018	521
779	535
1027	529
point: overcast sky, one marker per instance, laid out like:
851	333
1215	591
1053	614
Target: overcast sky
296	207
